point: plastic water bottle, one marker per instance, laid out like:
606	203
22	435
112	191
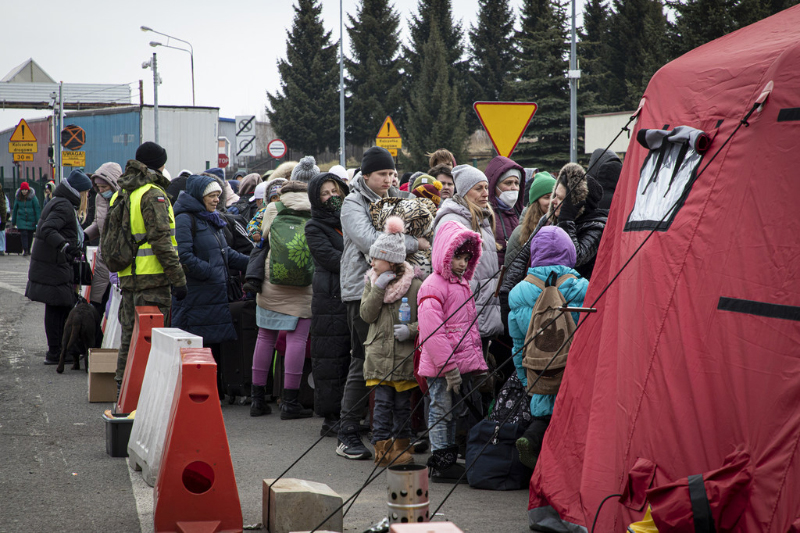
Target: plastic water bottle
405	312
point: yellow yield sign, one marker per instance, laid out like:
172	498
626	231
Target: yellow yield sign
505	122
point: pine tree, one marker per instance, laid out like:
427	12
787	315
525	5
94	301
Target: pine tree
374	82
436	118
492	51
700	21
593	53
304	111
639	47
542	79
438	14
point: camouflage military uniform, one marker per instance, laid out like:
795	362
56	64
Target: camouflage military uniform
148	289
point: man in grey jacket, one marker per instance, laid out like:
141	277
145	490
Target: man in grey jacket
370	185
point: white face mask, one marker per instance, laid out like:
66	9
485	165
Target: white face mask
509	197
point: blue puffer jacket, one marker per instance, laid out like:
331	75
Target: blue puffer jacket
521	300
205	258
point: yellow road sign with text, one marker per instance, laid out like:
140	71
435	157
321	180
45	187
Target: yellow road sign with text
388	130
389	143
22	133
23	157
19	147
73	159
505	122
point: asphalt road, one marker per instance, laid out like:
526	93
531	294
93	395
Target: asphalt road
55	474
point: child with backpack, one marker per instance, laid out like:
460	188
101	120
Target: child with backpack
551	282
390	288
451	353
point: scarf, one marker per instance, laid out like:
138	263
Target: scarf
213	218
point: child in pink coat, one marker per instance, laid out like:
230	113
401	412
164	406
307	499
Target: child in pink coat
456	251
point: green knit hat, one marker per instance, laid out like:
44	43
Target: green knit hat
543	183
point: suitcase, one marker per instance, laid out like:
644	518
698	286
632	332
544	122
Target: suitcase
237	356
13	241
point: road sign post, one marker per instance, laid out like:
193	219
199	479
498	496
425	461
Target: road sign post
246	135
388	137
505	122
22	141
276	148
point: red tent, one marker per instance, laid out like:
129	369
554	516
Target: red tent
692	364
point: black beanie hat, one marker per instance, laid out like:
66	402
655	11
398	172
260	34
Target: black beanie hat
376	158
152	155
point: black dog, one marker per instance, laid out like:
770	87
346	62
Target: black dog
79	334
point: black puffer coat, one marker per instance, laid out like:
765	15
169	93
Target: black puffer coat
50	275
330	336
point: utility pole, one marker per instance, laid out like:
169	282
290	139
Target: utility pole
155	96
57	138
342	149
573	75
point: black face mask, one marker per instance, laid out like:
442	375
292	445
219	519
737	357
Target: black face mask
333	204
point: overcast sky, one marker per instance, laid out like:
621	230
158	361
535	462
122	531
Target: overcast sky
236	46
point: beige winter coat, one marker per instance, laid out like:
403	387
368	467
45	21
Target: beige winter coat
293	301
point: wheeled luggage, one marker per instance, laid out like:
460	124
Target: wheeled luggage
237	356
13	241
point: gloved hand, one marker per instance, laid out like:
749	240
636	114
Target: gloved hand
69	252
180	292
384	279
402	332
113	278
453	378
569	209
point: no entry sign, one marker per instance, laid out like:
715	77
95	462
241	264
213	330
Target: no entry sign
276	148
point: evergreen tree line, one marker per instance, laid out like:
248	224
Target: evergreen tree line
428	86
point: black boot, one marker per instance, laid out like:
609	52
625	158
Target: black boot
290	406
330	426
444	468
529	445
259	406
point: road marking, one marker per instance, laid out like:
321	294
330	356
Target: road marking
143	493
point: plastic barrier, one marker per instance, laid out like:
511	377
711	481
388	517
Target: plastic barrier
147	318
155	401
196	488
428	527
112	330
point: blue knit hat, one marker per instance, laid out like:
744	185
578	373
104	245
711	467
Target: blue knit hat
79	181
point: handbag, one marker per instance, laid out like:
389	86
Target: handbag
234	286
82	272
496	466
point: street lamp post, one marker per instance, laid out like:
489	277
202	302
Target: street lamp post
152	65
190	50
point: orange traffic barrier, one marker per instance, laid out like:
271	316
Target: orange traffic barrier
196	487
147	318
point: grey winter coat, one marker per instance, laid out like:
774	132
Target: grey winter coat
359	234
484	282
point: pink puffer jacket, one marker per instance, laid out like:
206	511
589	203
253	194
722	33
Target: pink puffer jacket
439	297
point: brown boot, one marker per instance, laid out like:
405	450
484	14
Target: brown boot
400	452
383	452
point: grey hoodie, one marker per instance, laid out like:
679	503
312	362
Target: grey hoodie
487	271
359	234
109	173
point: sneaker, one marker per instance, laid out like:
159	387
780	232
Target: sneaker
351	447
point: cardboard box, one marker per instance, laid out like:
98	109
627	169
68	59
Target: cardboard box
102	368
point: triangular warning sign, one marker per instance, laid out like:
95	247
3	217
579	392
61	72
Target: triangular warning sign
22	133
505	122
388	130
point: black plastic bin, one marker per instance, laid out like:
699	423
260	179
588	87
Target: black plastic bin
118	431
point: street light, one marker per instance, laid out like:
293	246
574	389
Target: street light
190	50
153	64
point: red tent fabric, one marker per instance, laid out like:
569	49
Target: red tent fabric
694	353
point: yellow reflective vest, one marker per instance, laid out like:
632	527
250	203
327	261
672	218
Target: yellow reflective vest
146	260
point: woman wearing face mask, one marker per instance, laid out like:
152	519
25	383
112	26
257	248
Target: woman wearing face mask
59	242
330	336
105	184
505	178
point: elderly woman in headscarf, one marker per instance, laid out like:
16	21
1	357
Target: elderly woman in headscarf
104	182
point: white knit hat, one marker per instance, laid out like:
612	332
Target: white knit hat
212	187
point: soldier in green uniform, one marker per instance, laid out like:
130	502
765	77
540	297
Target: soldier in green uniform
157	265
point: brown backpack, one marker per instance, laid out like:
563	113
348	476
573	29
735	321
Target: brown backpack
559	327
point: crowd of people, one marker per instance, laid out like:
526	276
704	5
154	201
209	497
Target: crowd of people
344	265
